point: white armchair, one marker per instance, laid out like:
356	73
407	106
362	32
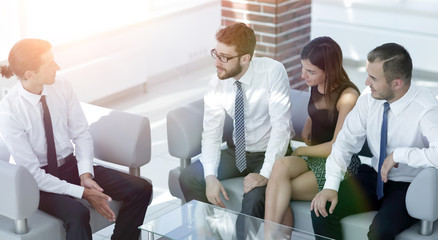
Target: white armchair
120	138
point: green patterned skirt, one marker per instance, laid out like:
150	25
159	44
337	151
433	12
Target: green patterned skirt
317	166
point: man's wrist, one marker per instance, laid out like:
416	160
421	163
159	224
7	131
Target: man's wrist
210	177
85	176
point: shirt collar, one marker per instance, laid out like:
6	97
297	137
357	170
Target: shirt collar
398	106
34	99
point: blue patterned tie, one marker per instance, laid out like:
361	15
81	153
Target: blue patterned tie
383	137
239	128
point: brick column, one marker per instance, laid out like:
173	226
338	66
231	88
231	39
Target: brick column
282	28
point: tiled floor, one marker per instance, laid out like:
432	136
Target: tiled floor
183	86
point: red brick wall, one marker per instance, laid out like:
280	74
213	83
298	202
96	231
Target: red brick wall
282	28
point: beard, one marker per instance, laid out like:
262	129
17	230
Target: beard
385	95
236	70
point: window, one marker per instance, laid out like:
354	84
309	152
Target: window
61	21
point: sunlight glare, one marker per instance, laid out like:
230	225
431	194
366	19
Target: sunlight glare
348	3
62	20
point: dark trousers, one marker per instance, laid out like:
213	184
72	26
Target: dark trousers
134	192
357	194
193	184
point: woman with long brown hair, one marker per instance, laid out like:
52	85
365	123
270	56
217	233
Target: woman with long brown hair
333	95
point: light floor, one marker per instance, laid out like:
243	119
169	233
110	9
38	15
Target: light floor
180	87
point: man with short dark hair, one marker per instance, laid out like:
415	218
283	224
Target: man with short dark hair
40	118
255	92
400	123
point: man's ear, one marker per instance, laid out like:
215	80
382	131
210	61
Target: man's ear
245	58
28	75
397	83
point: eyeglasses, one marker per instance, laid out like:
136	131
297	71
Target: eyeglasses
223	59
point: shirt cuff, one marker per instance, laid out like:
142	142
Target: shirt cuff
332	183
75	191
399	156
85	167
266	170
208	170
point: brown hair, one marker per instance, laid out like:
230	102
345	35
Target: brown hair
24	56
239	35
397	62
326	54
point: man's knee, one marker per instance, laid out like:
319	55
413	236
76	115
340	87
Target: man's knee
145	190
79	216
77	222
329	226
316	221
254	202
256	193
385	231
376	233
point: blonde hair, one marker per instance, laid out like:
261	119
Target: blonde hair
24	56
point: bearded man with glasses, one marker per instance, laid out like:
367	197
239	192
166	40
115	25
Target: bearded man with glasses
257	90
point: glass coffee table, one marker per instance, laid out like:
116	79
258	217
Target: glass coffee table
201	221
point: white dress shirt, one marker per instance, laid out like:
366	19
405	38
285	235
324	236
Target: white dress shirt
22	128
412	135
268	126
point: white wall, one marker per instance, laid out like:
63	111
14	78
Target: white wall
111	62
108	63
360	25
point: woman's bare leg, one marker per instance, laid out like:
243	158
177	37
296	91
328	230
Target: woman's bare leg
290	179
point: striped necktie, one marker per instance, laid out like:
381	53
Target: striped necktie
239	128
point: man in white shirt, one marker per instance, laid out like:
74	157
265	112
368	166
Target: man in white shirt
67	172
411	144
267	122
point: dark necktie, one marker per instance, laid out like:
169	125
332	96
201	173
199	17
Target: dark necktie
382	156
52	163
239	128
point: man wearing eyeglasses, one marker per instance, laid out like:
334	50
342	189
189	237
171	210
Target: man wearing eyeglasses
267	131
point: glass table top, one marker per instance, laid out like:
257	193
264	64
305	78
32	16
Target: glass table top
201	221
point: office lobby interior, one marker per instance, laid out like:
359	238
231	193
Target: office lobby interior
149	62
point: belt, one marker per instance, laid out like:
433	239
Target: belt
63	161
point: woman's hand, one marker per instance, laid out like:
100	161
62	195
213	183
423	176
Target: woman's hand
306	134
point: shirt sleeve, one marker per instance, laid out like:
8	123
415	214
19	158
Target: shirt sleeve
280	118
213	123
79	132
422	157
349	141
17	142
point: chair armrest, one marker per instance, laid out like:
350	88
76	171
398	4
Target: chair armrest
20	192
119	137
184	130
421	199
422	195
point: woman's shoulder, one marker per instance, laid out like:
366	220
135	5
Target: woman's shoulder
347	97
349	90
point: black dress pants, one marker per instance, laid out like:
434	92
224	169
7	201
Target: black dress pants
193	185
357	194
134	192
